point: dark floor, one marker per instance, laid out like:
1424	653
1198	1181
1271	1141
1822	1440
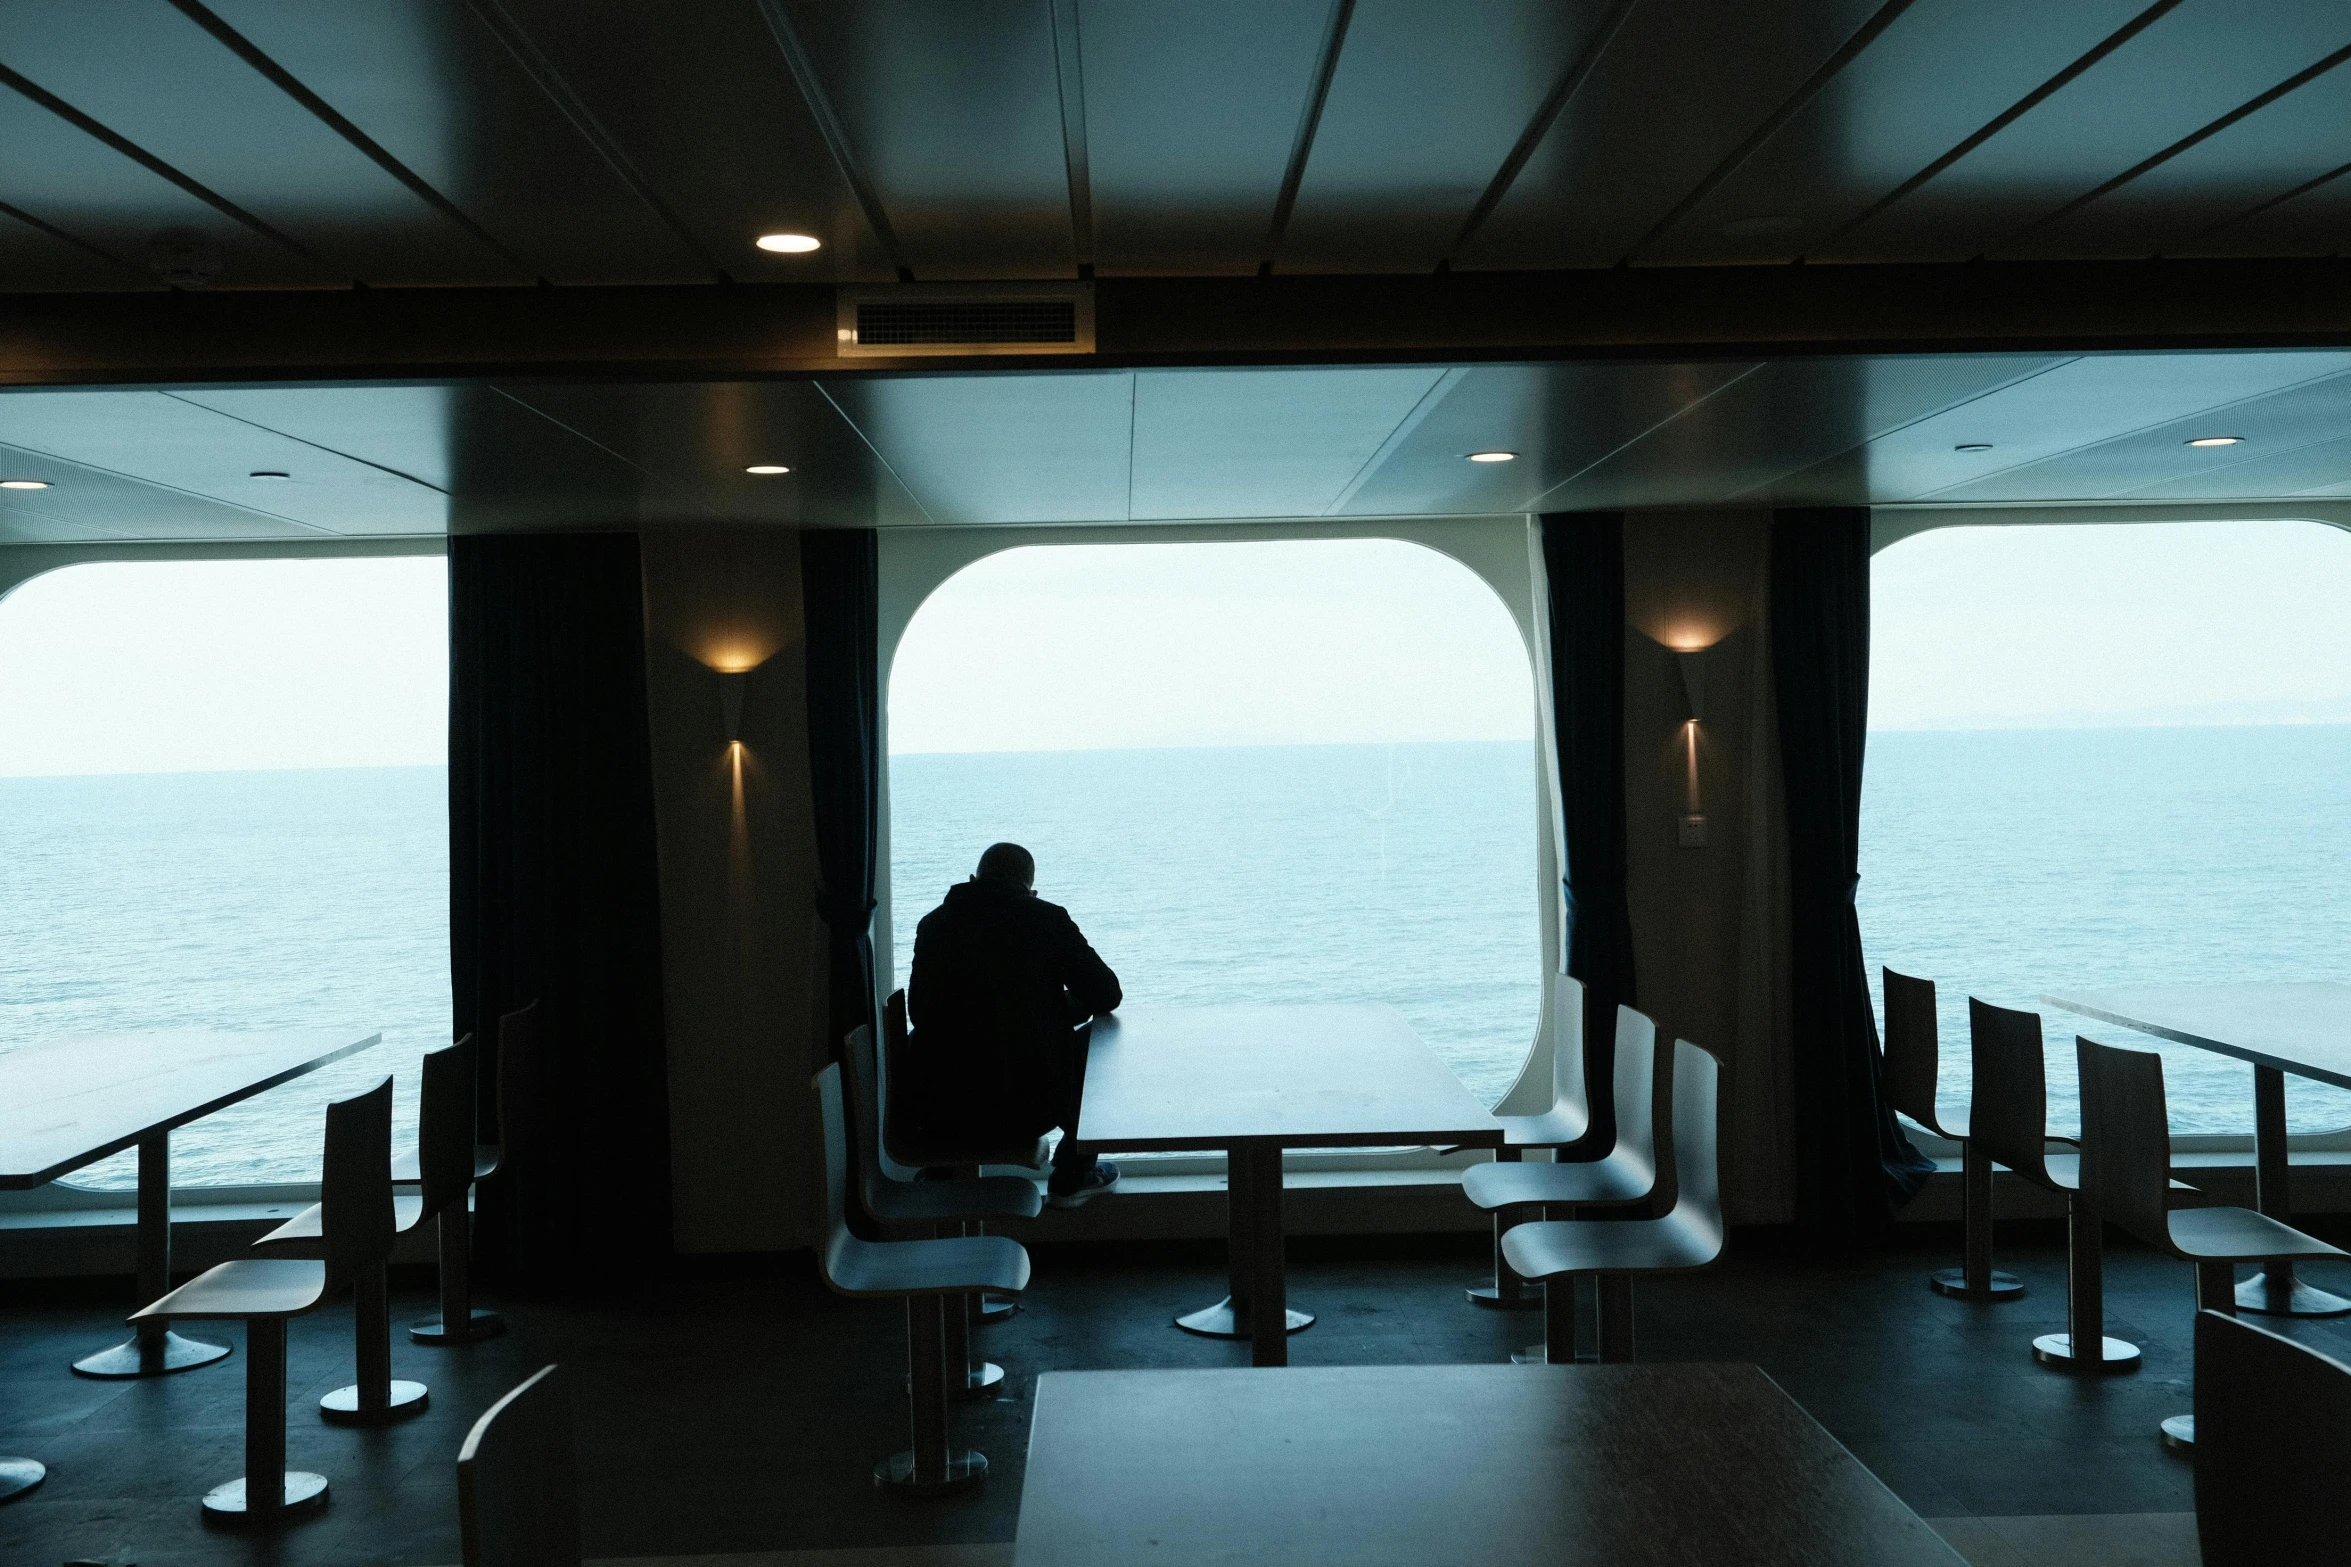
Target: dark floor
744	1413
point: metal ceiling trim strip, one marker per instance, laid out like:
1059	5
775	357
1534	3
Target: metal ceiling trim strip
2278	200
880	461
1413	419
285	435
76	241
835	134
1069	72
1326	66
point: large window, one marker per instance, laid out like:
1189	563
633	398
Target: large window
2107	755
1268	771
223	805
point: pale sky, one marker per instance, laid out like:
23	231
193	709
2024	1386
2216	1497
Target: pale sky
1099	646
209	666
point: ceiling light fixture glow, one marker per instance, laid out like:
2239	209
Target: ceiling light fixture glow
1973	446
1493	456
789	244
268	473
2216	440
767	469
24	484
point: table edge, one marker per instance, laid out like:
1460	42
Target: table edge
2301	1069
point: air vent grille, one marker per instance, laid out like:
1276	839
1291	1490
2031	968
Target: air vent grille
960	321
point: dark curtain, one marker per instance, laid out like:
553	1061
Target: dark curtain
553	893
1583	562
1854	1167
840	599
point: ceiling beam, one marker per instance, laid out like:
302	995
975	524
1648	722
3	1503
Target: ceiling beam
703	332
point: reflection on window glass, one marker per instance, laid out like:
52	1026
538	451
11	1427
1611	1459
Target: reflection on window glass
2104	756
223	805
1262	772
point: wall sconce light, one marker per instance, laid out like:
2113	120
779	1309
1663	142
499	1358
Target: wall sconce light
731	683
1692	661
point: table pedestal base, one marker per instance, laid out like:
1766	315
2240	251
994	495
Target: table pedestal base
2179	1434
304	1493
896	1473
1495	1298
1221	1321
988	1306
429	1330
2055	1350
1953	1283
2276	1293
342	1406
19	1475
156	1356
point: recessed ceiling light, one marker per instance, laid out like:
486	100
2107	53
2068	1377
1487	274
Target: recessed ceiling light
789	244
1493	456
268	473
24	484
767	469
1973	446
2216	440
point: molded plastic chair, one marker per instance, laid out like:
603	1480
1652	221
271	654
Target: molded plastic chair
518	1491
1913	1065
2273	1419
518	1043
2126	1174
265	1291
1689	1236
924	1274
1627	1175
1566	1122
895	1201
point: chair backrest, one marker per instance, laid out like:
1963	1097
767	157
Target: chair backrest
356	1185
865	1116
1697	1174
2008	1105
2126	1139
1635	1093
518	1494
2273	1443
445	1124
1912	1048
837	1257
893	1073
1570	1099
520	1061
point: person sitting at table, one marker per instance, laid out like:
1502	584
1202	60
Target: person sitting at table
1000	1003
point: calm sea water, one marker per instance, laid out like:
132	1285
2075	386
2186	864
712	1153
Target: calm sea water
239	901
2005	864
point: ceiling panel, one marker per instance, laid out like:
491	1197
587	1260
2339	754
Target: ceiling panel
34	260
2314	222
953	112
90	501
700	101
1923	86
1560	419
697	440
1007	448
1658	113
2169	209
77	183
148	73
1428	99
426	81
2319	468
2185	70
1190	114
1268	443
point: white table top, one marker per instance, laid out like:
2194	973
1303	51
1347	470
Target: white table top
2304	1029
1424	1466
1161	1078
69	1102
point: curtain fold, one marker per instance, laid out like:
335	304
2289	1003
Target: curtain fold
840	597
1583	566
1854	1166
554	893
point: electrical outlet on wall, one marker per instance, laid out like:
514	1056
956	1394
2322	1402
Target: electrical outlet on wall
1693	834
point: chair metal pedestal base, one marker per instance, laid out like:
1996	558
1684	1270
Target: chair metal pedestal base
985	1380
158	1355
2179	1434
1493	1298
1953	1283
428	1330
1220	1321
964	1468
341	1407
2055	1350
2263	1295
305	1493
990	1307
19	1475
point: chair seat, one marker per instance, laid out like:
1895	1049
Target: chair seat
954	1266
2239	1235
945	1202
1552	1128
1550	1249
1511	1184
246	1287
2066	1170
406	1170
306	1231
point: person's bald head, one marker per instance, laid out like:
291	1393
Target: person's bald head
1010	865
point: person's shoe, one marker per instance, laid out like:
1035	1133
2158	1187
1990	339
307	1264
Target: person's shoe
1098	1180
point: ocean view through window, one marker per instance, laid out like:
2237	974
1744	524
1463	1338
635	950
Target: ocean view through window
224	806
1273	771
2105	755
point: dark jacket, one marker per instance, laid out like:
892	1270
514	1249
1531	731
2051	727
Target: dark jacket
1001	980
